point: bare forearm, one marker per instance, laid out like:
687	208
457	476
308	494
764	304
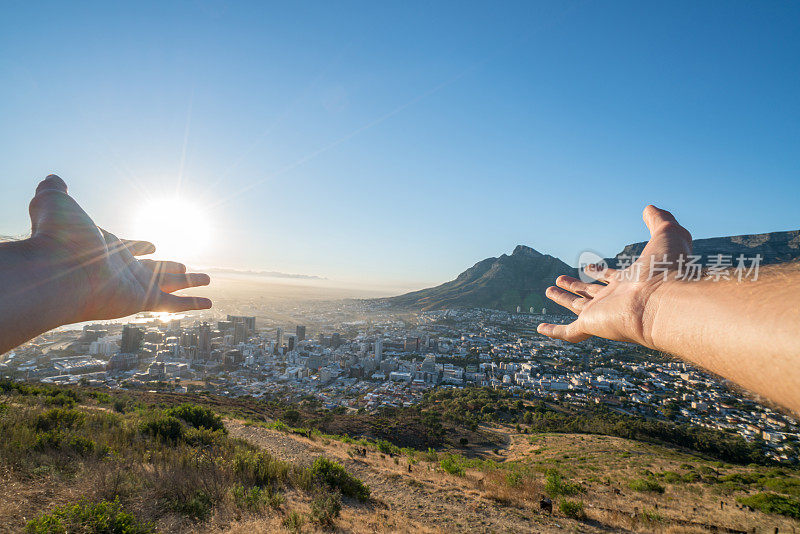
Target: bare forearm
32	300
747	332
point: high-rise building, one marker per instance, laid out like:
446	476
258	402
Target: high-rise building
249	322
301	332
292	342
279	337
336	340
239	333
204	341
131	339
378	350
411	344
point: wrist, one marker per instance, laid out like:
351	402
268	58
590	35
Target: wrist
656	317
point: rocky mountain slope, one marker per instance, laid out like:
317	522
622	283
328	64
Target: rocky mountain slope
503	283
520	279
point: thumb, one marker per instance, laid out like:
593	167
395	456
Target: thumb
52	182
52	210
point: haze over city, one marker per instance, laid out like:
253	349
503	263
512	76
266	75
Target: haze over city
390	147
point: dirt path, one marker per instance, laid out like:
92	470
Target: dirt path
427	497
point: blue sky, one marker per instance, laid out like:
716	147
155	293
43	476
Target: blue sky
399	143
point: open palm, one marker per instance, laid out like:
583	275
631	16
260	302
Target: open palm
621	310
97	273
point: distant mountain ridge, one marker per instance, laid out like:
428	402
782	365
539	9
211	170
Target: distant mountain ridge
520	279
773	247
503	283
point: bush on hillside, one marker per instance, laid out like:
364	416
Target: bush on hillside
572	509
771	503
556	485
165	428
260	469
450	464
336	477
645	485
325	508
59	419
197	416
104	517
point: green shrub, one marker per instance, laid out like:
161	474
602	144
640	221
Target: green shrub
645	485
197	506
387	447
771	503
61	399
59	419
514	479
165	428
280	426
336	477
789	486
572	509
85	517
294	522
741	478
203	437
58	441
260	469
430	455
556	485
652	516
325	508
450	464
292	416
197	416
275	500
101	397
252	499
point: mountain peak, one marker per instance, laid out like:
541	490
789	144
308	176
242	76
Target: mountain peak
524	250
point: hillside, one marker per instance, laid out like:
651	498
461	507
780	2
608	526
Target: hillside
521	279
503	283
81	460
773	247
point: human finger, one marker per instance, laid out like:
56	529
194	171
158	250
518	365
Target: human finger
658	220
52	182
53	212
164	302
164	266
139	248
576	286
567	332
600	273
565	298
173	282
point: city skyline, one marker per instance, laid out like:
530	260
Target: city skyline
396	146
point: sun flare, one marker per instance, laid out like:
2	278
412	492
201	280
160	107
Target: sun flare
180	229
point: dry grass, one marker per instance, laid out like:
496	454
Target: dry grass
497	496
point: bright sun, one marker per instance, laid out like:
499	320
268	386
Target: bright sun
179	229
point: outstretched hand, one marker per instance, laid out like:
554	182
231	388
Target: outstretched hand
622	309
96	273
